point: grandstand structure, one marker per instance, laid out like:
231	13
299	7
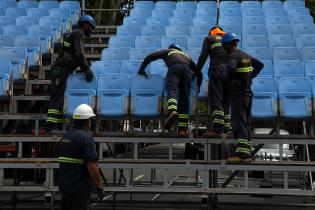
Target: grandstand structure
130	108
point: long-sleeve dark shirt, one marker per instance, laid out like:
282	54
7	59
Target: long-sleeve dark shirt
72	52
170	57
212	47
242	69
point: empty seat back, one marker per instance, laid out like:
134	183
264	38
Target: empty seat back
147	42
6	41
48	4
140	53
27	20
131	67
281	41
281	29
15	12
286	53
37	12
309	69
308	53
288	69
14	30
105	67
267	71
255	41
305	41
7	20
27	4
158	68
153	31
121	42
128	31
109	54
254	29
261	53
168	40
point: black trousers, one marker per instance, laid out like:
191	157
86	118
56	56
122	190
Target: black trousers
219	98
55	107
75	202
241	118
178	84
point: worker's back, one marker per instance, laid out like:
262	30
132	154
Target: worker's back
216	52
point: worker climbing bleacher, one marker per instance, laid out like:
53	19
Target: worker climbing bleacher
70	57
178	84
242	68
218	97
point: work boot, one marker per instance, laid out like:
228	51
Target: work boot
170	120
239	159
212	134
183	133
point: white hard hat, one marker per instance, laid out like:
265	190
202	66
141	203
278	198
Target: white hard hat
83	112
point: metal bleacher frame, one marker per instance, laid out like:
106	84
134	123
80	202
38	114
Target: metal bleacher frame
207	185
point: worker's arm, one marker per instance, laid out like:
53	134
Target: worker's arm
257	67
198	74
203	55
94	173
151	57
78	42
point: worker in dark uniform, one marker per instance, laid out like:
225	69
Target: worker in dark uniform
178	84
70	57
79	172
217	94
242	69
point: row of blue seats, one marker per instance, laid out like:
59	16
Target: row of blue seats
50	4
290	97
117	95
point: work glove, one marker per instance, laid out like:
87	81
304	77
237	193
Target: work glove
199	80
89	76
100	194
142	72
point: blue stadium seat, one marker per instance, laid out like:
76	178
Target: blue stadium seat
131	67
164	4
177	31
79	91
281	29
255	41
232	28
158	68
262	53
230	12
271	4
308	53
65	15
18	58
293	4
128	31
264	99
252	12
309	69
105	67
303	29
195	41
55	24
286	53
27	4
203	21
295	97
206	13
194	53
281	41
15	12
140	53
230	20
32	45
45	35
199	30
48	4
267	71
158	21
305	41
186	5
113	95
121	42
7	3
271	12
247	20
6	41
149	30
1	30
146	95
147	42
2	12
167	40
7	20
230	4
298	19
184	13
288	69
74	6
162	12
37	12
132	21
298	11
257	29
27	21
110	54
14	30
144	5
181	21
277	20
5	73
206	4
250	4
140	13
